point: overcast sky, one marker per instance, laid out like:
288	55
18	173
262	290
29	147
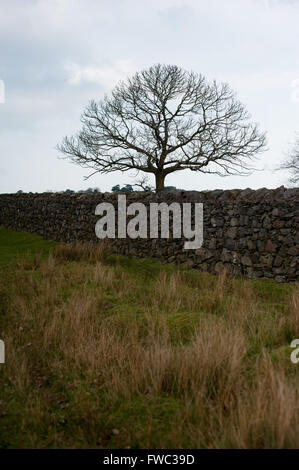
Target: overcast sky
56	55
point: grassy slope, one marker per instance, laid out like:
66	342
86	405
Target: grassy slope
107	351
16	244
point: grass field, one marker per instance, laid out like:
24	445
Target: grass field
113	352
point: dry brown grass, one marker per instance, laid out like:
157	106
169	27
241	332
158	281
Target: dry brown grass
82	251
180	360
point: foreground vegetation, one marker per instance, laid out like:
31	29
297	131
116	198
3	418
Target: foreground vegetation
105	351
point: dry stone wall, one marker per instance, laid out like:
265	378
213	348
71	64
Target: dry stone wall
248	232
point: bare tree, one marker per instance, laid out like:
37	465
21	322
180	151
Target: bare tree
144	184
291	163
165	119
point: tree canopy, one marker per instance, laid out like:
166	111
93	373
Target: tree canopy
291	163
162	120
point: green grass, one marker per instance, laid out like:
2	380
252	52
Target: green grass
106	351
14	245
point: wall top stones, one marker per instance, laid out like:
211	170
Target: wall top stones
238	195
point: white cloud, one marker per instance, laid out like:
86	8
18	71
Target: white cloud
106	75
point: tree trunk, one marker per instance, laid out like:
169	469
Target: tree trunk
160	177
